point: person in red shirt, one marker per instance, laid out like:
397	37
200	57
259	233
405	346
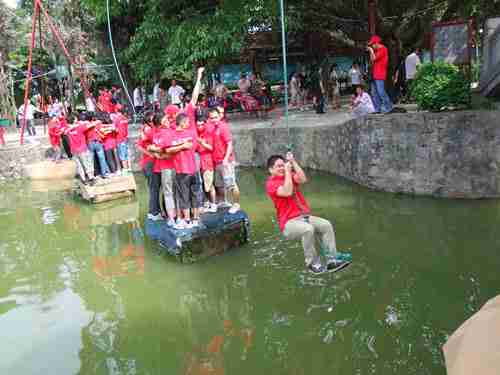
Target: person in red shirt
95	146
107	135
78	145
121	124
164	165
151	126
55	131
294	214
186	183
380	60
205	149
225	174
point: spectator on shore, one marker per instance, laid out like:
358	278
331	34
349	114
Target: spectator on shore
355	76
138	99
176	93
294	214
362	104
334	87
380	60
220	93
244	84
156	96
412	63
296	92
399	82
30	117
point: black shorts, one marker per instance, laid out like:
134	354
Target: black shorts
187	189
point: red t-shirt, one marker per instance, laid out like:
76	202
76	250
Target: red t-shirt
221	138
91	134
108	138
121	129
206	160
287	208
380	64
76	136
55	129
185	161
163	138
144	141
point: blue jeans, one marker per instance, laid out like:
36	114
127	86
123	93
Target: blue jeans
381	100
97	148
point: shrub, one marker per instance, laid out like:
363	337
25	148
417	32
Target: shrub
440	86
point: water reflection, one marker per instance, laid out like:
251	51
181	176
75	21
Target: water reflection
82	291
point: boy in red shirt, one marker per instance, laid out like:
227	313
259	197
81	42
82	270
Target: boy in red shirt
186	183
225	174
95	146
107	134
55	131
121	125
205	149
78	146
151	126
164	165
294	214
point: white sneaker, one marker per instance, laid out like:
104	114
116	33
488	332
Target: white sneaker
180	224
206	205
155	217
234	208
212	208
195	223
189	224
171	223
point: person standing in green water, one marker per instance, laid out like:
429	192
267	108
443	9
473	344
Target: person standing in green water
294	214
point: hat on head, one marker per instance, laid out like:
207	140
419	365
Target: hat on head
375	39
171	110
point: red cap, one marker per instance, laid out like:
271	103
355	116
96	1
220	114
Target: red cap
171	110
375	39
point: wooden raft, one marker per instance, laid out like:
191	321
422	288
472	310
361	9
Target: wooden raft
220	232
108	189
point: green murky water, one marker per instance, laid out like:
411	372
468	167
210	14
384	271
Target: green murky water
82	292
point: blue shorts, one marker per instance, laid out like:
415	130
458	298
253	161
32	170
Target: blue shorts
122	150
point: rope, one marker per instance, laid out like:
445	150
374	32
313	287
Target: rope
125	88
285	72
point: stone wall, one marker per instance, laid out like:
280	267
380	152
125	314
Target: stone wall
13	157
453	155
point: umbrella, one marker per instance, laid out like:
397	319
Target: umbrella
474	348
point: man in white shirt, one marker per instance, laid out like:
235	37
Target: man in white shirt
156	96
138	99
30	117
411	64
175	92
244	84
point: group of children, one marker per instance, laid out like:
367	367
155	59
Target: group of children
188	161
97	142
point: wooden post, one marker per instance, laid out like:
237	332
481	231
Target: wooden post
372	16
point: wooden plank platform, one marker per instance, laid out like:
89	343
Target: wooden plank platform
51	170
220	232
108	189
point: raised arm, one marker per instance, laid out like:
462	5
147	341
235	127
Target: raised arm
299	177
286	190
197	86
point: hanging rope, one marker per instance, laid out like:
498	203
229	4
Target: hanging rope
124	85
285	72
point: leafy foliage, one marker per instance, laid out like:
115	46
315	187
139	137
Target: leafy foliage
439	86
